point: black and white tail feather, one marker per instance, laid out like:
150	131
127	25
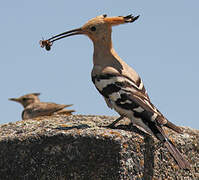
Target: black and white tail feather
130	99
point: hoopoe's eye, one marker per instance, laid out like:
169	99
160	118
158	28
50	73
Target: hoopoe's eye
93	28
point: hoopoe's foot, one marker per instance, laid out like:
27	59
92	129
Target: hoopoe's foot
112	125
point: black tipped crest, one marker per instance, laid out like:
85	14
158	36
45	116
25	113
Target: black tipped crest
130	18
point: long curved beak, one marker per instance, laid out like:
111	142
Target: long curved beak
48	43
65	34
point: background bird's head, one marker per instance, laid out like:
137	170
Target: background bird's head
27	99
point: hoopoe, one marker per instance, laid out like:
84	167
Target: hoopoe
34	108
119	84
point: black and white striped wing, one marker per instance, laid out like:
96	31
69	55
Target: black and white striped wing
121	91
126	94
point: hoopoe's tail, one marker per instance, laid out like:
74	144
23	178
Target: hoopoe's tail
182	162
178	157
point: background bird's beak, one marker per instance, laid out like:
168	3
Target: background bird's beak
120	19
66	34
14	99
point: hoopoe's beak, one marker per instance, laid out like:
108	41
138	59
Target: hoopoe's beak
66	34
48	43
120	19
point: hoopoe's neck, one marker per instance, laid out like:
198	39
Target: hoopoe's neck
104	54
102	48
105	59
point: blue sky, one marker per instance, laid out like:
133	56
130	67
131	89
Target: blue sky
162	46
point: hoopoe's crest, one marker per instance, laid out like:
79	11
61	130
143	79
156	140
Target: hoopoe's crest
34	108
119	84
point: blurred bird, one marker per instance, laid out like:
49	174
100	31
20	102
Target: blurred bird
120	85
34	108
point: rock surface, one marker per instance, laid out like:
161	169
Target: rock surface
79	147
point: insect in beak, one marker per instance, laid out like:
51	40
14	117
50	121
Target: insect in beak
49	42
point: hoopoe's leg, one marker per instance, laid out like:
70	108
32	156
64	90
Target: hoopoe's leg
112	125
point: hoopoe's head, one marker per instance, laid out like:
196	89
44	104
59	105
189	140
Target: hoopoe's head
27	99
98	28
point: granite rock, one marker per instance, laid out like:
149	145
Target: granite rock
80	147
